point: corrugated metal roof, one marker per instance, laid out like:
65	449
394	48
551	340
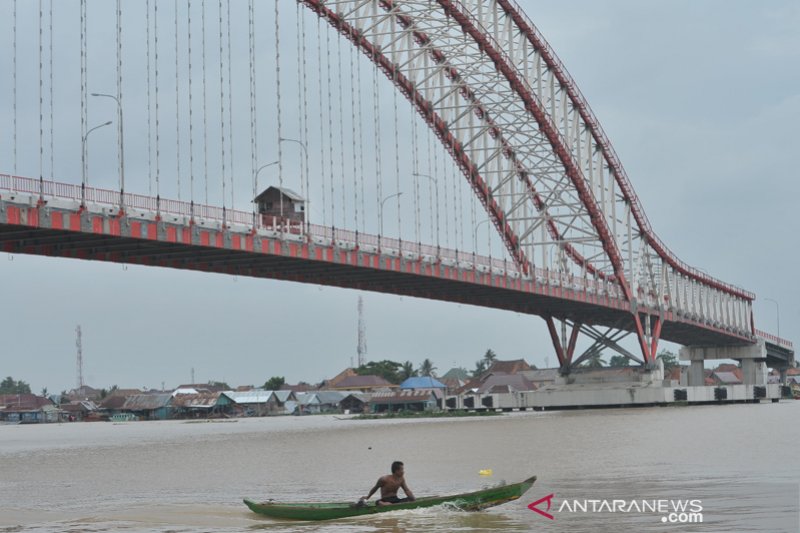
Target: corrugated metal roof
284	395
286	192
147	402
250	396
506	383
23	401
422	382
203	400
404	396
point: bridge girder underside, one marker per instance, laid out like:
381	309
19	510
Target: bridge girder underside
126	250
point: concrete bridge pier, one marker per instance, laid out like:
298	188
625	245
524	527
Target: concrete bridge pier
753	358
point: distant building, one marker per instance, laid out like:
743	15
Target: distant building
149	406
278	204
201	405
84	392
422	382
27	409
509	367
405	400
259	402
363	384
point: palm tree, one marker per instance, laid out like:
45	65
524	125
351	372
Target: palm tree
490	357
426	368
407	371
480	368
595	361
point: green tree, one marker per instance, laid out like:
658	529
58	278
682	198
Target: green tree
490	357
407	371
388	370
595	361
427	368
619	361
9	386
274	383
480	368
669	359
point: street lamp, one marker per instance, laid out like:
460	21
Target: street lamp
84	163
121	146
475	236
778	313
304	166
436	187
381	210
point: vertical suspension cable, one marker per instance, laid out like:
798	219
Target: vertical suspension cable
83	106
443	175
299	100
149	108
41	116
278	99
396	151
360	140
52	129
454	177
376	103
357	171
461	212
415	171
305	114
119	103
177	104
230	105
158	129
205	99
253	117
221	104
321	121
191	110
84	169
433	196
341	130
330	123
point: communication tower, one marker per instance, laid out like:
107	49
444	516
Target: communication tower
362	334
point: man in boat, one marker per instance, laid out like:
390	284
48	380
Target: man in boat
390	484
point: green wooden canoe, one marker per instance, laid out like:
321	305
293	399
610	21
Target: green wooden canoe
470	501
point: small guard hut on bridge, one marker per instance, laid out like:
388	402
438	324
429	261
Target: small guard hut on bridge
281	204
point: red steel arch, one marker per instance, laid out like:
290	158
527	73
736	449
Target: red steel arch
419	37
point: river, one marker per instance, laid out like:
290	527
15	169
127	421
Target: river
738	463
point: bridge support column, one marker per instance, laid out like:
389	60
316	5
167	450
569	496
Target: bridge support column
696	377
754	372
753	358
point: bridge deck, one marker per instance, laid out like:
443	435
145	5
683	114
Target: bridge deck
101	233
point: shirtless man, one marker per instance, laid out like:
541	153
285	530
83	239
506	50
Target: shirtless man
389	486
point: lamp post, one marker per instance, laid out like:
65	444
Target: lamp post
121	147
475	236
381	210
778	313
84	163
304	170
436	187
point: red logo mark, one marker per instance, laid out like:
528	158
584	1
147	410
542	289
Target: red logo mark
545	514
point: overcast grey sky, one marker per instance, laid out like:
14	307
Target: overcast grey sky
701	101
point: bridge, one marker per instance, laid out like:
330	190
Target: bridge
492	106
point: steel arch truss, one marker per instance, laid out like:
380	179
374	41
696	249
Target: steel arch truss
510	116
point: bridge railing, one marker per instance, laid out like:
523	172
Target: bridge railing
336	236
774	339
